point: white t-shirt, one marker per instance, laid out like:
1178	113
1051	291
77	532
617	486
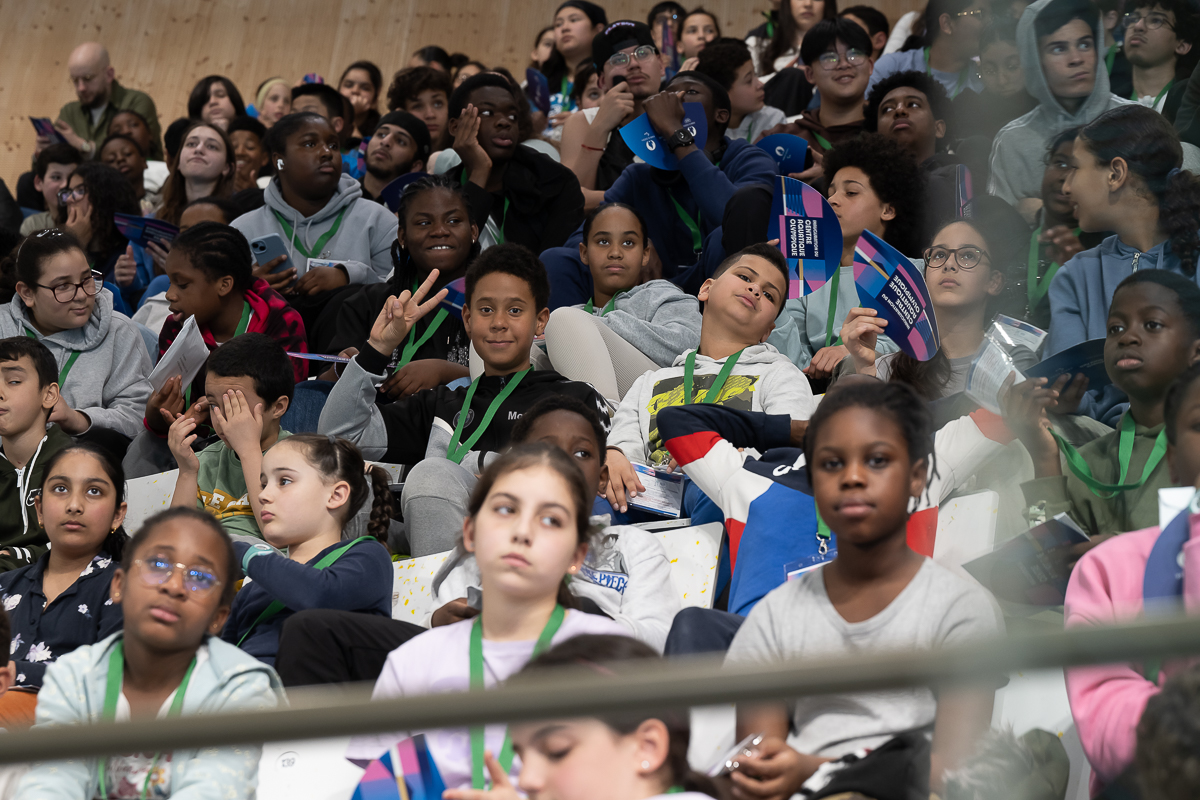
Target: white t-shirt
753	125
439	661
797	620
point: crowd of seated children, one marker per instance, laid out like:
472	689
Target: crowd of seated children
732	366
247	390
987	143
448	434
61	601
630	325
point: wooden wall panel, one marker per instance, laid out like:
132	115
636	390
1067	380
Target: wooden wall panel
163	46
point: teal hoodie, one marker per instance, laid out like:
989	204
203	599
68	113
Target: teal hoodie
227	681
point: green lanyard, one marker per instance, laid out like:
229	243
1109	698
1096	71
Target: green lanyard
1134	95
412	347
62	373
277	606
959	85
714	391
1037	288
590	308
321	242
243	323
690	222
500	237
458	448
824	534
770	25
821	140
1107	491
116	675
476	658
835	282
567	103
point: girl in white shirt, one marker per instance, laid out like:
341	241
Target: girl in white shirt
528	527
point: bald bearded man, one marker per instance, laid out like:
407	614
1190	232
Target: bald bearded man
84	122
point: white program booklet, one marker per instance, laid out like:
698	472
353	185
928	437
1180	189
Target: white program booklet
184	357
664	491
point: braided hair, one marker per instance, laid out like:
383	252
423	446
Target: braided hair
217	250
405	272
117	539
339	460
1150	146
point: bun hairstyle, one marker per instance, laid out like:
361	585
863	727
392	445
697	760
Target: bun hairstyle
339	460
540	454
117	540
593	652
1150	146
25	266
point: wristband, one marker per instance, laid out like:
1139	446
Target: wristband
260	549
593	149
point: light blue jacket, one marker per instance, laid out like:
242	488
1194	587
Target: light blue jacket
229	680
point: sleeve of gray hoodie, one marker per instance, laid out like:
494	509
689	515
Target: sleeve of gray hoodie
658	319
126	389
350	411
1003	166
785	390
626	431
382	234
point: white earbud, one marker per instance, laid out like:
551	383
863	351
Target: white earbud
279	163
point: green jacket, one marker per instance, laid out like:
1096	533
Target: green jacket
80	120
1128	511
20	533
221	488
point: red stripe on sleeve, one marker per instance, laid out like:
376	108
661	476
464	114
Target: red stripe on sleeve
735	528
693	446
922	531
992	426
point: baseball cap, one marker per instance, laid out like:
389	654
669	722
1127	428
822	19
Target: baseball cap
415	127
616	37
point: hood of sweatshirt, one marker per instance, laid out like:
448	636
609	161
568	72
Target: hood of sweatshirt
1035	80
347	192
754	354
90	336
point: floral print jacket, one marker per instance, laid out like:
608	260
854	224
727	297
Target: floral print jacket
41	633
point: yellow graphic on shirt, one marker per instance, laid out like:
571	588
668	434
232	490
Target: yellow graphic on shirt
224	507
738	392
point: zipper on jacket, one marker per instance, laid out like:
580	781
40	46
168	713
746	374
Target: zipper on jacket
1136	258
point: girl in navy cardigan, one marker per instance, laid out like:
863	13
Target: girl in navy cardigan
313	489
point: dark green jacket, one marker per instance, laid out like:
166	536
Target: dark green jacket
20	533
80	119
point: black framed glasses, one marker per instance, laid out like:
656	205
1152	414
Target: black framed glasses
643	53
830	59
67	195
157	570
965	257
66	292
1153	20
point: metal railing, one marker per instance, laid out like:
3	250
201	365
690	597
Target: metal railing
635	687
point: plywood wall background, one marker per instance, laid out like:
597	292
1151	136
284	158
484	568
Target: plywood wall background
164	46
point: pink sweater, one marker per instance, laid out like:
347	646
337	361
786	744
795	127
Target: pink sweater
1107	701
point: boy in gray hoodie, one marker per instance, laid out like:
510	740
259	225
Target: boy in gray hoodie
1058	42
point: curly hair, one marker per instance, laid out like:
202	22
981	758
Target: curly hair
340	460
895	179
721	59
1150	147
408	83
935	93
109	193
175	190
511	259
1168	740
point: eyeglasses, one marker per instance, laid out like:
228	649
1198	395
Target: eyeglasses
1153	21
830	59
643	53
977	13
67	195
66	292
966	257
157	570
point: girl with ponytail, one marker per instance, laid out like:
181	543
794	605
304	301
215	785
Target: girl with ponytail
1126	178
317	554
61	601
528	527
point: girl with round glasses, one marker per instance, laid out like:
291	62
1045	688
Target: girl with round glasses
102	360
175	586
966	268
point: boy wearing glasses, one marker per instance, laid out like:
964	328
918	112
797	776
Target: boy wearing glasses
1158	37
728	62
629	71
28	393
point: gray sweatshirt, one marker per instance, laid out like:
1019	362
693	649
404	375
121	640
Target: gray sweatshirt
108	380
364	237
657	318
1019	150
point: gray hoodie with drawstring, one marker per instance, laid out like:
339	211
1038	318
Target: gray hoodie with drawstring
363	241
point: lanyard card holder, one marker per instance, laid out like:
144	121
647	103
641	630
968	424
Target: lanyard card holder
664	491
